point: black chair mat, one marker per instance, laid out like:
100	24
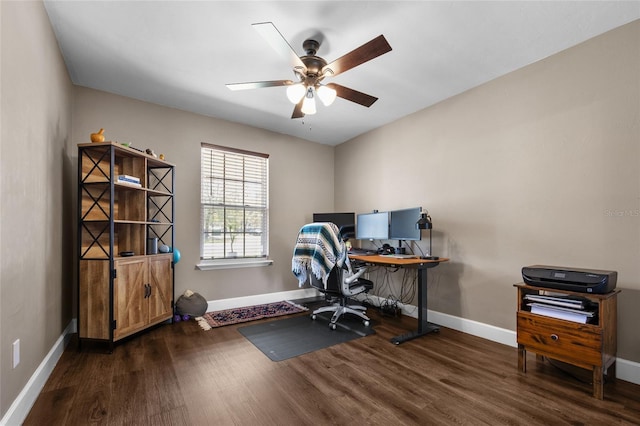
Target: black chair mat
293	336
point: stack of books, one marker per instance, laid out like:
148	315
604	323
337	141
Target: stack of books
564	307
129	180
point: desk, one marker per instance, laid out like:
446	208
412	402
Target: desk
424	327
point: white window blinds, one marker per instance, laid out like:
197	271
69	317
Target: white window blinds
234	203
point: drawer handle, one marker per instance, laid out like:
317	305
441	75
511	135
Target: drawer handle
554	337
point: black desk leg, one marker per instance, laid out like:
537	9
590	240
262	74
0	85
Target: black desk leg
424	326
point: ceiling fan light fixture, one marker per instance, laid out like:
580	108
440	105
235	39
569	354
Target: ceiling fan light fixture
295	92
309	104
326	94
310	70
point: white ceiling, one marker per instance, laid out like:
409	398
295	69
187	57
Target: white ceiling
182	53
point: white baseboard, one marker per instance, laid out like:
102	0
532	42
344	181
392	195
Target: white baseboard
628	371
259	299
22	404
625	370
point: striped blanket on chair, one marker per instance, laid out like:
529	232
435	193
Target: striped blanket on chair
318	248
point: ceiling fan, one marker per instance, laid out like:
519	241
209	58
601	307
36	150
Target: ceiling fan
310	70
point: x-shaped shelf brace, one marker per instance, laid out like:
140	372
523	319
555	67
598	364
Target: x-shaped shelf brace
161	235
96	164
160	177
95	240
96	201
160	208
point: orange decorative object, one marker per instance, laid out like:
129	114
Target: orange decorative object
98	137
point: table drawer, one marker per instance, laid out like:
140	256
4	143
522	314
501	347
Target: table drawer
575	343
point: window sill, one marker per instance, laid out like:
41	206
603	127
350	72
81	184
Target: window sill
207	265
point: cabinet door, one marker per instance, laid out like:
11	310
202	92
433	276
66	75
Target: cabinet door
94	294
161	281
130	291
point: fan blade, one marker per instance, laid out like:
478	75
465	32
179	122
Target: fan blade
270	33
297	110
368	51
258	84
353	95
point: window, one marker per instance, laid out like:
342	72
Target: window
234	203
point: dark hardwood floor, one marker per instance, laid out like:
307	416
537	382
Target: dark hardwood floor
178	374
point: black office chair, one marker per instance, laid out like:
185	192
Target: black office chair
321	255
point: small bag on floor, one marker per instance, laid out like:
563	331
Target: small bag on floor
191	303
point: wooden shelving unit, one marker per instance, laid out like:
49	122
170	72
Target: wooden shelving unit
591	346
122	295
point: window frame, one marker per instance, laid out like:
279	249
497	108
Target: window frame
237	178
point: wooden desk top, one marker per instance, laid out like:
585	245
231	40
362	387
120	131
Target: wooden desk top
385	260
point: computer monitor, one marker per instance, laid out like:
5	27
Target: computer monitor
340	219
402	224
372	226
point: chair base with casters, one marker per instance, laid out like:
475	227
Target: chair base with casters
340	287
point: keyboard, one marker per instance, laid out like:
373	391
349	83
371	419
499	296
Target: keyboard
362	252
401	256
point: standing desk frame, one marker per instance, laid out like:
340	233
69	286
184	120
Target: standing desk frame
424	326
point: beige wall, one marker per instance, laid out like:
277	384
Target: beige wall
35	187
541	166
296	190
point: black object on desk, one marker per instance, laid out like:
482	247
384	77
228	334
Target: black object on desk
424	326
362	252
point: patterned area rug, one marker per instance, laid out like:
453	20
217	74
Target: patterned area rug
249	313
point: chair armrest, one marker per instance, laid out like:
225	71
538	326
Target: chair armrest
355	276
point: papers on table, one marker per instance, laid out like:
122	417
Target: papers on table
562	307
566	301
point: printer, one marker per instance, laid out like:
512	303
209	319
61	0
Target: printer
572	279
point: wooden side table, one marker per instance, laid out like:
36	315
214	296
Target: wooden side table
592	346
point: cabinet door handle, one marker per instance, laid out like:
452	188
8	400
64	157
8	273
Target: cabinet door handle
149	295
147	290
554	337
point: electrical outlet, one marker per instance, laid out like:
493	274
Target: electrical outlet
16	353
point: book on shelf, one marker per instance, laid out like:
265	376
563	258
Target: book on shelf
128	178
126	182
569	314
